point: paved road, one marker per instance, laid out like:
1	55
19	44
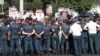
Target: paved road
70	55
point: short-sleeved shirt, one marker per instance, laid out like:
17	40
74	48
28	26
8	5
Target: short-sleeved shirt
56	28
14	29
91	27
84	32
65	28
28	28
3	30
82	24
47	30
39	28
75	29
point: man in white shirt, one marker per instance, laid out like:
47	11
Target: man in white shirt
92	26
76	30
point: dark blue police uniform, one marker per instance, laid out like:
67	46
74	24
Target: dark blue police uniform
46	38
38	41
65	28
3	35
84	38
28	39
15	38
55	38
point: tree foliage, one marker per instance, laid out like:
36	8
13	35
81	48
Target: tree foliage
78	5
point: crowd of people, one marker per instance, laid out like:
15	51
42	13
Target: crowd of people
78	36
37	34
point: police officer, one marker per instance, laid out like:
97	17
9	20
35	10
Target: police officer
46	37
55	37
28	31
0	38
3	35
65	30
23	22
98	33
14	31
84	36
91	26
39	31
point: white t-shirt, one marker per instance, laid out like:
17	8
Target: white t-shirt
92	27
75	29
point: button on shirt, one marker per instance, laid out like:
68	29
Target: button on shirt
91	27
75	29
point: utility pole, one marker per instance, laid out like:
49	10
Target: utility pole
2	3
21	6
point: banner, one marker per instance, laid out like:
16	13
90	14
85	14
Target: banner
49	9
39	14
1	1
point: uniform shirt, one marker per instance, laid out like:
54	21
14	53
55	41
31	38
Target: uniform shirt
75	29
3	30
14	28
38	28
84	32
82	24
28	28
91	27
47	30
65	28
56	28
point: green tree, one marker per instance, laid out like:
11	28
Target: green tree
78	5
33	4
37	4
28	5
